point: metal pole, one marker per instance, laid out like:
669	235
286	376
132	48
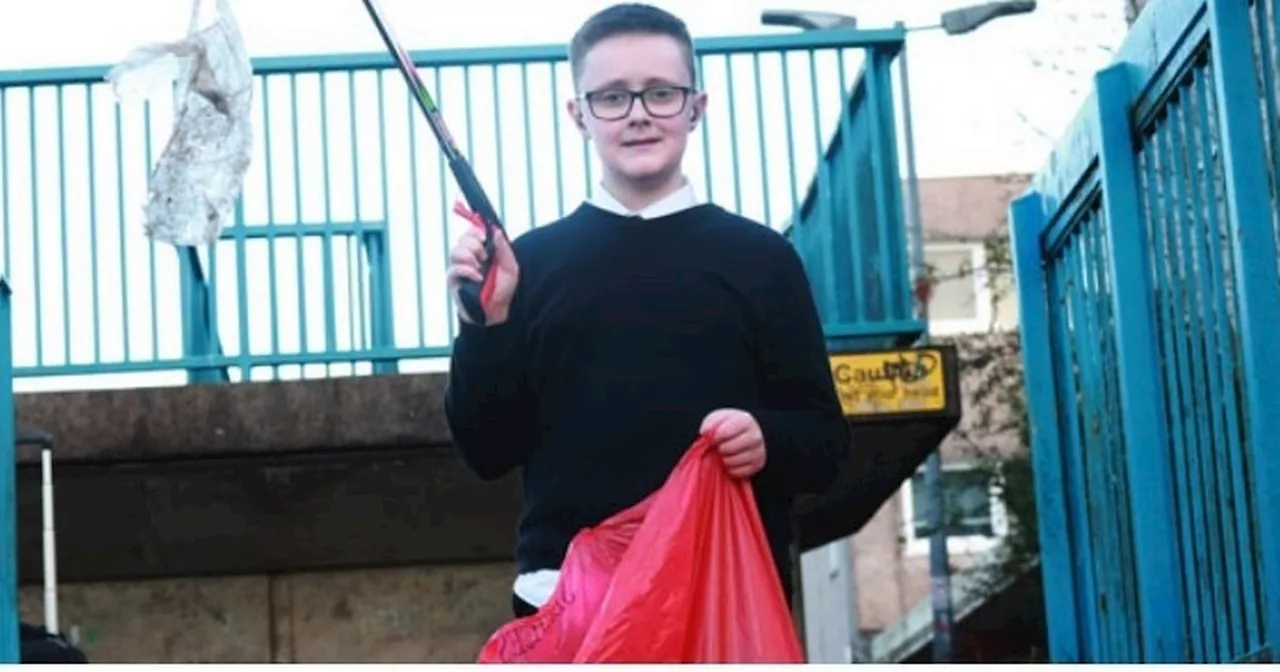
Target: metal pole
50	543
939	565
9	651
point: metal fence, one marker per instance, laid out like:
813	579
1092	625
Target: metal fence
1146	259
335	264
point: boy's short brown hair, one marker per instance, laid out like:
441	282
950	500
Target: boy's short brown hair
631	17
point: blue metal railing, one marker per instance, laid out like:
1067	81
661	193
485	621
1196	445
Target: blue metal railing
861	268
335	264
1146	260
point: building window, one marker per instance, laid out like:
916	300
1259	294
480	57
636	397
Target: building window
974	514
961	300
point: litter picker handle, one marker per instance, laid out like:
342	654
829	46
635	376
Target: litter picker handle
474	296
471	294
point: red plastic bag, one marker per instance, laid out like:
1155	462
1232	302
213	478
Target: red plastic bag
699	587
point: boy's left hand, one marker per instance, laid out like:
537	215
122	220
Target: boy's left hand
738	437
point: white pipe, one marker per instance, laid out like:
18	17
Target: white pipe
50	550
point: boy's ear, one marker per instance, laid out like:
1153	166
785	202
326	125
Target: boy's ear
575	113
697	109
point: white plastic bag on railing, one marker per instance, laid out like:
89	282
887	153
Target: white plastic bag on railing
195	182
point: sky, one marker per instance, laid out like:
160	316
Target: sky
89	287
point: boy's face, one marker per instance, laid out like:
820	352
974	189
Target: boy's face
645	146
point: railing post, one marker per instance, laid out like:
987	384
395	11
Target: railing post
382	323
898	289
9	651
1250	215
198	339
1146	436
1027	223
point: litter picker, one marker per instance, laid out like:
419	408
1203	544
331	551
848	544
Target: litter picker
474	296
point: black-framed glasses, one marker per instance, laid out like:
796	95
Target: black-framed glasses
662	102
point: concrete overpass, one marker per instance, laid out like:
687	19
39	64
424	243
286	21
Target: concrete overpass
271	521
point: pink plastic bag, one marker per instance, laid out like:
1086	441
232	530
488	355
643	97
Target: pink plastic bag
700	587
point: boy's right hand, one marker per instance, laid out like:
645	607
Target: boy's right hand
464	262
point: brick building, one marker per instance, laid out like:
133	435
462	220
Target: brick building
890	555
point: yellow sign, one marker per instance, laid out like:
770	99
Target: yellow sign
901	381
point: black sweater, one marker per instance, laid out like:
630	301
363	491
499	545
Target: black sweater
623	334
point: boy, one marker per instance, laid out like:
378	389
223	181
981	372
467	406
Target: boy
620	333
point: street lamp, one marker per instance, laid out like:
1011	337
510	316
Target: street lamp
805	20
954	22
969	19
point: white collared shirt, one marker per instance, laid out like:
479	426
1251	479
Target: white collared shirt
681	199
536	587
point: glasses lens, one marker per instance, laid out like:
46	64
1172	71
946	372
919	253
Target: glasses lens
664	101
610	104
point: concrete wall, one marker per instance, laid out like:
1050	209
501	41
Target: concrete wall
412	614
232	523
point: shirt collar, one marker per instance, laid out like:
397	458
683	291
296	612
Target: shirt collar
681	199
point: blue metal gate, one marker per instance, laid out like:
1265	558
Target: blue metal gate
1146	262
